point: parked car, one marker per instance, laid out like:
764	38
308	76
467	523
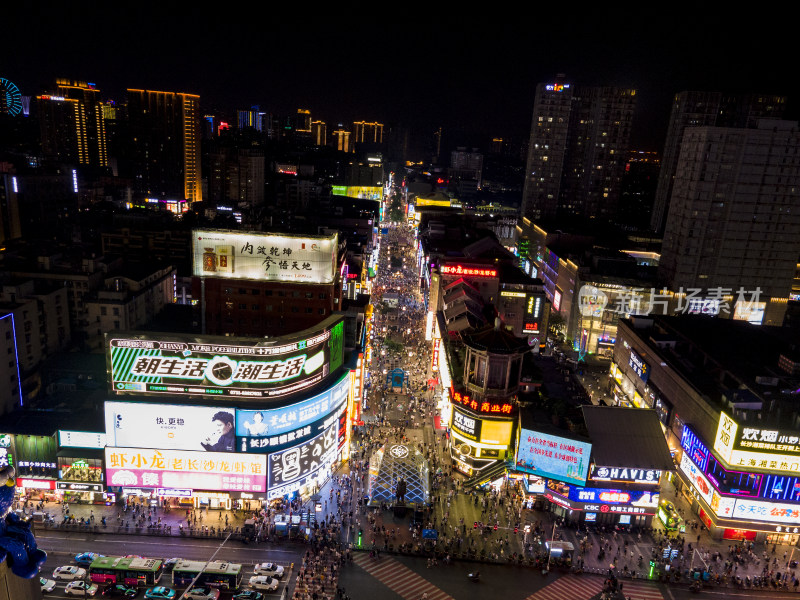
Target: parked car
81	588
69	573
271	569
264	582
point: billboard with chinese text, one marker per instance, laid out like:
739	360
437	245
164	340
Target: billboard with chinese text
553	456
756	447
183	469
264	257
221	366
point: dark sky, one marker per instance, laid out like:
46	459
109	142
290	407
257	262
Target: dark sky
473	74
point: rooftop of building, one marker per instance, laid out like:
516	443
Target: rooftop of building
494	339
627	437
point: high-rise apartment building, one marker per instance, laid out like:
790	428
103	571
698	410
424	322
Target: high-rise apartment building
577	151
733	221
700	109
251	118
341	140
303	123
466	164
72	124
367	133
165	144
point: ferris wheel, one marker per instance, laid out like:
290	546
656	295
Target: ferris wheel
10	98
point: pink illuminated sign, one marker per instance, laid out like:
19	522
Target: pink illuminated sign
139	467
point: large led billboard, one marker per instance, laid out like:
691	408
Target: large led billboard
222	366
264	257
170	426
756	447
271	429
140	467
553	456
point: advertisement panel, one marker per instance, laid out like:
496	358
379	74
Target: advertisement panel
641	368
170	426
273	429
292	468
220	366
756	447
185	469
553	456
774	512
81	439
699	481
465	425
264	257
496	432
696	449
629	475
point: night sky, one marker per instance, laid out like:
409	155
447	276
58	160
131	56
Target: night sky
472	73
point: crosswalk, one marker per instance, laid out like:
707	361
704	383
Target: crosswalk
587	586
570	586
399	578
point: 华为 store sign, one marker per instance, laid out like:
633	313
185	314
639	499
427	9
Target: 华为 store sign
756	447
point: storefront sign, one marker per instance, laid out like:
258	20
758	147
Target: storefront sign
36	484
631	475
641	368
185	469
775	512
81	439
757	448
174	493
468	271
218	366
640	498
274	429
722	506
467	426
699	481
696	449
553	456
483	406
264	257
79	487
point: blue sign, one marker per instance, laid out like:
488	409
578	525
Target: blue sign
553	456
696	449
268	429
430	534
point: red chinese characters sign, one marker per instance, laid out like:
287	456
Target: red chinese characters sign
483	406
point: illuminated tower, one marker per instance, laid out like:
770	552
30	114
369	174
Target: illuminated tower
341	139
319	133
165	138
72	124
303	120
369	133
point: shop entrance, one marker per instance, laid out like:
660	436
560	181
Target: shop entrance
212	501
783	538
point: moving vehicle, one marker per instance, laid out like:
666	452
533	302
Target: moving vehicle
160	593
217	574
69	573
131	571
248	595
271	569
170	563
48	585
80	588
85	559
202	593
120	590
264	582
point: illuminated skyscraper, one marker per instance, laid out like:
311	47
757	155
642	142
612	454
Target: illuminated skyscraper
367	133
165	139
72	124
577	151
341	140
319	133
303	123
251	118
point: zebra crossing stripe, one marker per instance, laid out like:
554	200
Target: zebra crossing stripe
399	578
570	586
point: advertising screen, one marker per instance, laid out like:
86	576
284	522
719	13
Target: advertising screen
220	366
699	481
81	439
264	257
170	426
774	512
631	475
496	432
553	456
467	426
639	498
292	468
184	469
696	449
271	429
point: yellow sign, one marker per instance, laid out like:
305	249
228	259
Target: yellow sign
431	202
725	443
726	434
496	432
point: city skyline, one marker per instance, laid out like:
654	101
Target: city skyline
474	81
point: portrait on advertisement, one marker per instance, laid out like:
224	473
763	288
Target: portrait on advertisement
223	437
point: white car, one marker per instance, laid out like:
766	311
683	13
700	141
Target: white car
69	573
264	582
48	585
202	593
270	569
81	588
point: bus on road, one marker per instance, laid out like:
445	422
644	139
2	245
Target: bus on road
217	574
129	570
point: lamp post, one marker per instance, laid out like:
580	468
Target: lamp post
550	550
